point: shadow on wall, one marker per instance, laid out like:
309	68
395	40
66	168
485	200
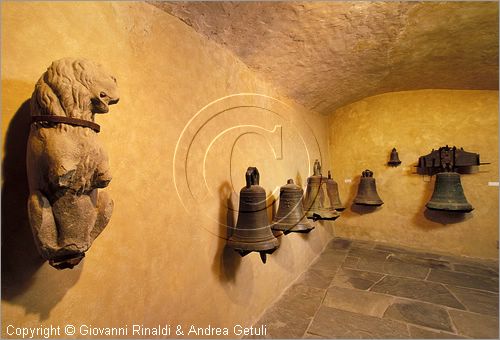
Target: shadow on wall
298	180
226	260
348	201
284	261
20	258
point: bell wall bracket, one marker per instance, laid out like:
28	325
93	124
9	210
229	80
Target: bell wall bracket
447	163
448	159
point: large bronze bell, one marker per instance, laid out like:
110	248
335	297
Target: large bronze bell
253	231
314	202
332	189
367	190
448	194
394	159
290	216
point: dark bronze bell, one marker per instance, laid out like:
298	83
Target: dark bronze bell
253	231
314	202
394	160
332	189
290	216
448	194
367	190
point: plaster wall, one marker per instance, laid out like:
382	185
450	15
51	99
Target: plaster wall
362	136
190	120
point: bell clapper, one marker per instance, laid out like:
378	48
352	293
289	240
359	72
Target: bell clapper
263	256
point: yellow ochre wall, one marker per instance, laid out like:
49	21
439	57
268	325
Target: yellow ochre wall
362	136
190	120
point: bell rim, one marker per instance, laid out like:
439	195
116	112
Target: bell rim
436	207
321	218
370	203
261	245
303	227
321	212
315	216
299	231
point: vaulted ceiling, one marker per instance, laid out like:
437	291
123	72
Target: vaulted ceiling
328	54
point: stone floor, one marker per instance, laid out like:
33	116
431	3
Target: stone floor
359	289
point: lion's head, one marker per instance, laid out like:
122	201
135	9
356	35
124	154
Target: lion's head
76	88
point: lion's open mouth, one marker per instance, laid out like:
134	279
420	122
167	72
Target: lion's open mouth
98	106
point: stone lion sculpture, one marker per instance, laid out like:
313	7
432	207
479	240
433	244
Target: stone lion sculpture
66	163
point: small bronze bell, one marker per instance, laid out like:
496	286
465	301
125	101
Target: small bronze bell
394	160
332	189
367	190
253	231
448	194
290	216
314	202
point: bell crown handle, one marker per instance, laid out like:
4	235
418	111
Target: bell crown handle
317	168
252	176
367	173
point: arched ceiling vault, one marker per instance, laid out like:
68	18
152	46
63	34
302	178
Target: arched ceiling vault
325	55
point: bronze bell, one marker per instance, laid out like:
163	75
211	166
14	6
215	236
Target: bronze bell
367	190
332	189
394	160
253	231
314	201
448	194
290	216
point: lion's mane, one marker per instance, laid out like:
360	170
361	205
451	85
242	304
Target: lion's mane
64	89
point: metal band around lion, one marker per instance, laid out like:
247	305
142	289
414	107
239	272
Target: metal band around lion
67	120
